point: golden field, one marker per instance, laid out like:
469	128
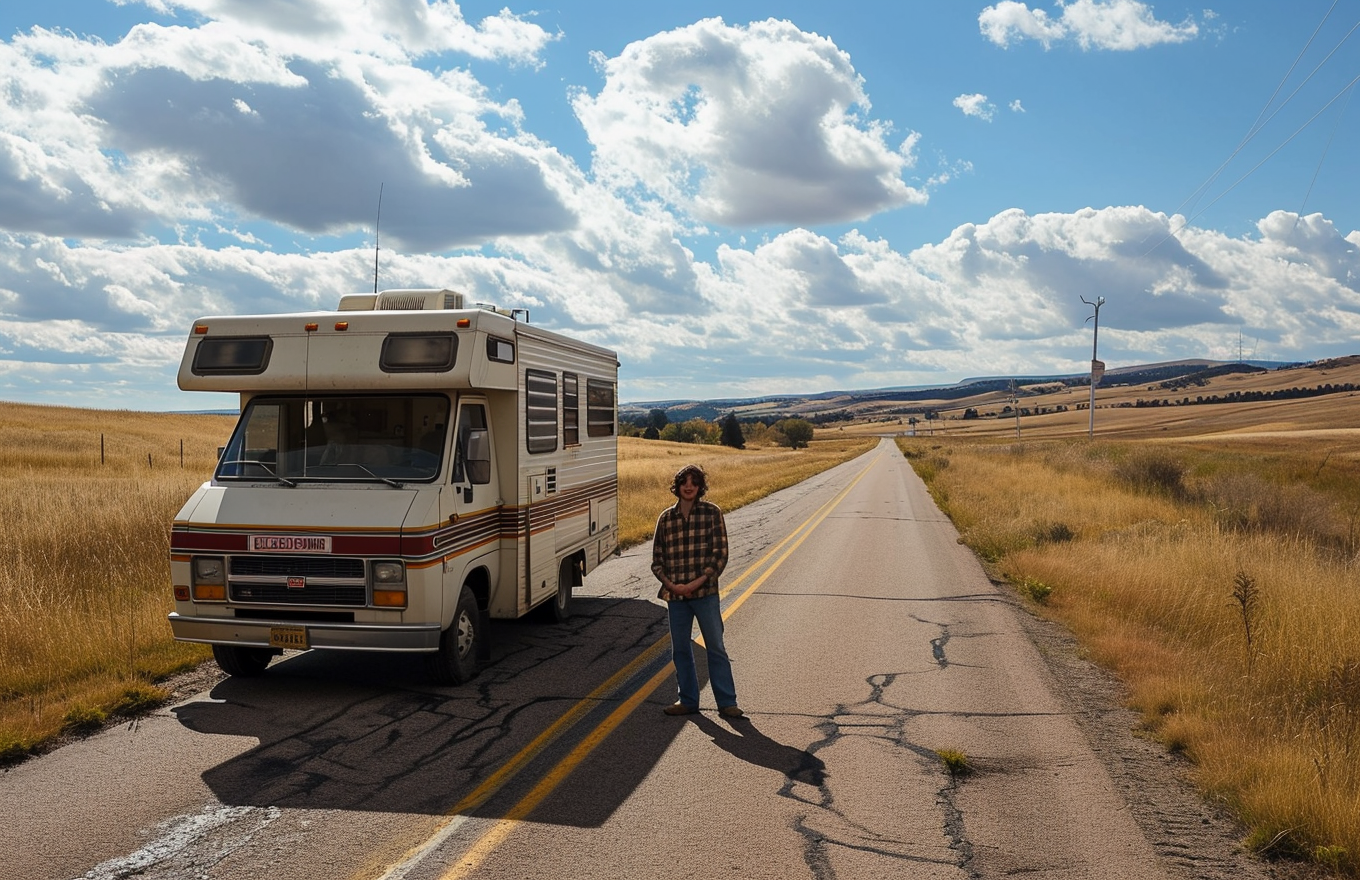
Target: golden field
84	580
1210	556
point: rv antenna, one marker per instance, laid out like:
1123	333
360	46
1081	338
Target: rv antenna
376	223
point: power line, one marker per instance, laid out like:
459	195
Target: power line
1262	119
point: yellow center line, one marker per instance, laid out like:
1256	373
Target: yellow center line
494	836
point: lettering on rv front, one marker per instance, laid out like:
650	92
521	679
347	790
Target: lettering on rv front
290	544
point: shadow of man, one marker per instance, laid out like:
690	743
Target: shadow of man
746	742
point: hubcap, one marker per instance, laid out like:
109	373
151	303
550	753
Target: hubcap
465	633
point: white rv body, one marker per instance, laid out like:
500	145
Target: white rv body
403	469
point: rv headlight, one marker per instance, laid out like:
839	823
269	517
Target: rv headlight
388	573
209	570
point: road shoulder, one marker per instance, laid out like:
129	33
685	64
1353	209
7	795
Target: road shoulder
1198	838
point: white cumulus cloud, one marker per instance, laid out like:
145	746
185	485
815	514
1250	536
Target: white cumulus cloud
1091	24
744	126
976	105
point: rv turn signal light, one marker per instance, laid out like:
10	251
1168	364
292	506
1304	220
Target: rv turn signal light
210	593
342	325
389	598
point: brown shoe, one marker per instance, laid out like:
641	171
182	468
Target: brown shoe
680	709
731	712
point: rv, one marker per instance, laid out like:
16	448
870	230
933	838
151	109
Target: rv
404	469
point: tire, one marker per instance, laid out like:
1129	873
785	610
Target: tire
460	646
559	609
241	661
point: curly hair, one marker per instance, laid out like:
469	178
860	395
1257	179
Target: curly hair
697	472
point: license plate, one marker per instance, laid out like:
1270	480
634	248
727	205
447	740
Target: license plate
294	637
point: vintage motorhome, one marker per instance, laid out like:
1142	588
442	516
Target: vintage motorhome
403	469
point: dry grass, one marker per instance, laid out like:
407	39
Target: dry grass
1219	583
84	580
735	477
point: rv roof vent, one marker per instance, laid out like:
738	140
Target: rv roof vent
362	302
419	299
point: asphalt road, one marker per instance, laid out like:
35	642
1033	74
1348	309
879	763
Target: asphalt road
865	639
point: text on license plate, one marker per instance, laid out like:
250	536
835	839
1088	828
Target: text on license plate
294	637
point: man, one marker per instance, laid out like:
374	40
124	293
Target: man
689	552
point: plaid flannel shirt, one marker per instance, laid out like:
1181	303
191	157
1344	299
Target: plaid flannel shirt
684	548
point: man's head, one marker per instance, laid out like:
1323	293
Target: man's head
692	474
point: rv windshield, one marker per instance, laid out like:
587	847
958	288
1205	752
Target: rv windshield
338	438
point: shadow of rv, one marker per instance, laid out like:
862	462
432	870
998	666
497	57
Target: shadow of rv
353	731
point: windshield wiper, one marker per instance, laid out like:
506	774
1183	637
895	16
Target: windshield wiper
266	468
388	480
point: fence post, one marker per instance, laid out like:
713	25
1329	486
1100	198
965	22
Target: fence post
101	449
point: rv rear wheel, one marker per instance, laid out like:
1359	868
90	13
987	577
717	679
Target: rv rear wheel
459	645
559	609
241	661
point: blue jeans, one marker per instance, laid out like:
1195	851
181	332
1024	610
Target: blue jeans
708	612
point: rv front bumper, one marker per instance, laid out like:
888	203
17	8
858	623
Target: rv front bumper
337	636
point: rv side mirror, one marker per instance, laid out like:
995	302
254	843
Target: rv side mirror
479	457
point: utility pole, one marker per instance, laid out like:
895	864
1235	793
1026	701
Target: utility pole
1015	404
1097	367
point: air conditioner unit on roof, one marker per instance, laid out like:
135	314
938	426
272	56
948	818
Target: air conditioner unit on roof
416	300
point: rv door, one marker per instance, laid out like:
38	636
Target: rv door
473	476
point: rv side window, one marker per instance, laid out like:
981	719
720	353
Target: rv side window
540	410
418	353
502	350
599	408
232	356
571	410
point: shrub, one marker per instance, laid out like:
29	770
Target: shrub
1034	588
1153	471
1053	533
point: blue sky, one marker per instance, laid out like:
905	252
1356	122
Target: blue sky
741	198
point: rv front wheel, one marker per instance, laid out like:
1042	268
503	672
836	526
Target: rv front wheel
456	660
241	661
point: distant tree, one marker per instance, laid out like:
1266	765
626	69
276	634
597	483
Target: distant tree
651	433
691	431
797	431
657	419
731	433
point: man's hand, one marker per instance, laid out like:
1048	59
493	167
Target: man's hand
686	589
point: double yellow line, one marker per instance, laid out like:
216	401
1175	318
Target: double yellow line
475	855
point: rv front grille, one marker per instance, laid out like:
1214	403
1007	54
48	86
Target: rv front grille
304	566
297	580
